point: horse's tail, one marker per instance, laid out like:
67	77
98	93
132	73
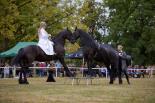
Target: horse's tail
16	59
129	59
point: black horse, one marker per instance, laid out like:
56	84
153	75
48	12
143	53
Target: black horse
101	53
31	53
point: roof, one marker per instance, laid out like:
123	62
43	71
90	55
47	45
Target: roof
14	50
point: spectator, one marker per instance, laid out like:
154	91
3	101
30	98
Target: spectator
42	69
58	68
131	71
148	71
6	70
142	71
2	64
103	71
137	72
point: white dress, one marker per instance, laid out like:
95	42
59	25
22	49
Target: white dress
44	43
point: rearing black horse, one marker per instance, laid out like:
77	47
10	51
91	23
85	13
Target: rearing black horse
31	53
101	53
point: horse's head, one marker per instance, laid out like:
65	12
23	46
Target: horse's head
76	34
68	35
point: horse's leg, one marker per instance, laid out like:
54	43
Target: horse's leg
110	74
126	75
20	80
25	77
99	73
89	64
50	76
68	73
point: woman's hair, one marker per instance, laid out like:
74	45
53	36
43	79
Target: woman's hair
42	24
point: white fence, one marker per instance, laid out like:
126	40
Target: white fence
150	71
47	68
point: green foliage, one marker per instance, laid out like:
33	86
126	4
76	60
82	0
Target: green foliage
8	14
131	23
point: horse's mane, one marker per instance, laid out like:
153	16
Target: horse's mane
54	39
86	39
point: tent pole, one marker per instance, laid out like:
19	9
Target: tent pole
82	65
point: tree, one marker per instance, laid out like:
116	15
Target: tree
131	23
9	11
91	13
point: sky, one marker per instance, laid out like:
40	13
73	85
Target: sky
98	0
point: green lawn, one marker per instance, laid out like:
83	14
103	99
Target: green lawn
38	91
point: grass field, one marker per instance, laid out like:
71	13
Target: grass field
38	91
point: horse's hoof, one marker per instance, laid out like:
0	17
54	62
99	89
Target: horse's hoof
120	82
25	82
69	74
50	81
111	83
20	81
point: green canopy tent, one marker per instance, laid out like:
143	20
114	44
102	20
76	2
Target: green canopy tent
14	50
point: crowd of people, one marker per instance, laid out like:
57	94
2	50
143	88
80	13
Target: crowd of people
6	71
138	71
42	68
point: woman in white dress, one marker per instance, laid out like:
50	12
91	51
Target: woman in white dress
44	43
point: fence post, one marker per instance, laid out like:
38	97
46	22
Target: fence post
56	72
34	72
151	73
106	73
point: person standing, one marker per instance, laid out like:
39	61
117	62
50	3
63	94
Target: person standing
6	70
58	68
123	62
